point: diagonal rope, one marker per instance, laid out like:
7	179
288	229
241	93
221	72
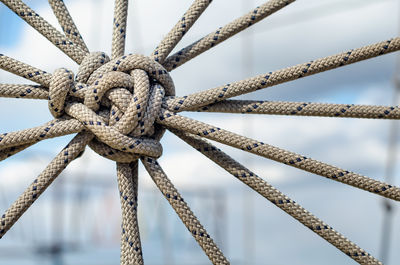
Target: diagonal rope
24	70
40	184
131	249
304	109
196	100
119	28
278	198
8	152
182	209
172	120
46	29
223	33
51	129
179	30
67	23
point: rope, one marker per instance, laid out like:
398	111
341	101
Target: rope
304	109
131	250
47	30
67	23
24	70
183	211
213	95
40	184
278	198
121	107
179	30
119	28
223	33
172	120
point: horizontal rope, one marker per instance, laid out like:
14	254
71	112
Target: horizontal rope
179	30
46	29
223	33
278	198
172	120
304	109
197	100
40	184
24	70
23	91
182	209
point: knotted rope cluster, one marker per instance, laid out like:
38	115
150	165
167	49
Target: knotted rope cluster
118	101
120	108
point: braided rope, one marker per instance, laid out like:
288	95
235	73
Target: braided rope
304	109
131	250
175	121
182	209
213	95
120	108
179	30
40	184
223	33
47	30
119	28
278	198
67	23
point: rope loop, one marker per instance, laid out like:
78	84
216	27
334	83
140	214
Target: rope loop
117	100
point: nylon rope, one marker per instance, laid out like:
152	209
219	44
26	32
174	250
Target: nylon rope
121	107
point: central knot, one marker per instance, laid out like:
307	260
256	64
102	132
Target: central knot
117	100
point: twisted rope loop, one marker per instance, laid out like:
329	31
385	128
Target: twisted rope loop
118	101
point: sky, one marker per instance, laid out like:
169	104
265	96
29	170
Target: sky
303	31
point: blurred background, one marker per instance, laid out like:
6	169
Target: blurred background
77	220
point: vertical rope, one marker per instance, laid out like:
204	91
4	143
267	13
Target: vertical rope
119	28
131	249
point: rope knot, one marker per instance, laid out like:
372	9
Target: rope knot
117	100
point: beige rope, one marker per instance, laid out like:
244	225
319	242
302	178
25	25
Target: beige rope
223	33
304	109
47	30
119	28
67	23
213	95
120	108
278	198
172	120
131	250
40	184
179	30
183	211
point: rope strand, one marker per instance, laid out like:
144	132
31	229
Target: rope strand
172	120
46	29
182	209
223	33
304	109
179	30
67	23
278	198
40	184
197	100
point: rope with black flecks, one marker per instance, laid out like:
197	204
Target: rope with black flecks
121	107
